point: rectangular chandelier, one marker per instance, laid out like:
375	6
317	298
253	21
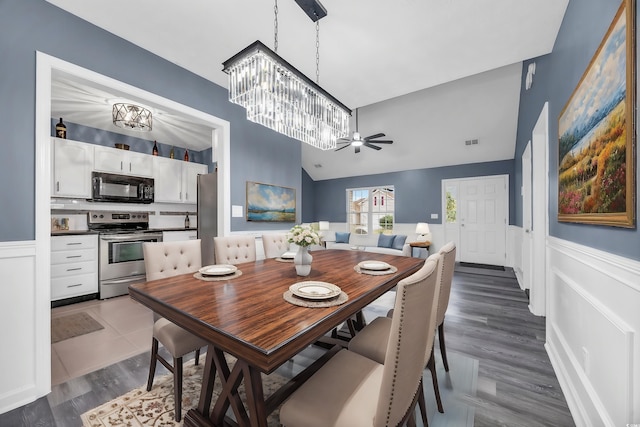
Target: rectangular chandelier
278	96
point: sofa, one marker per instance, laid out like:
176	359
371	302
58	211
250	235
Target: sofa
393	244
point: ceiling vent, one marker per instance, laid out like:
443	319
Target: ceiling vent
471	142
317	165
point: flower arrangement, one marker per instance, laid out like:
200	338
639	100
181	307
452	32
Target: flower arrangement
303	236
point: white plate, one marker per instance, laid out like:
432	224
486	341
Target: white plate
374	265
315	290
218	270
288	255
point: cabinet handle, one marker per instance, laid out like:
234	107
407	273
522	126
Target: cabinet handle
181	195
186	196
74	286
74	243
58	186
121	165
74	269
74	256
129	167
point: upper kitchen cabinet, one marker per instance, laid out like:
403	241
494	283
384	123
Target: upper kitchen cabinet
190	172
114	160
176	181
72	165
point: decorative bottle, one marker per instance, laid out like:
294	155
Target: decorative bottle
155	148
61	130
172	154
187	222
186	155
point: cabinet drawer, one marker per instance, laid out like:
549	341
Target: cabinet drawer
73	269
67	287
62	257
64	243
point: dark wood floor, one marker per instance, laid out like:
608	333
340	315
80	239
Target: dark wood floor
500	373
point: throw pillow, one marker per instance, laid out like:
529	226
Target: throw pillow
342	237
398	242
385	241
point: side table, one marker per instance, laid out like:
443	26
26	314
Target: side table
419	245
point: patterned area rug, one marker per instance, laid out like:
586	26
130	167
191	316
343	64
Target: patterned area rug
155	408
73	325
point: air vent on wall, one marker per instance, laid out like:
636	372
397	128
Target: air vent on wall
471	142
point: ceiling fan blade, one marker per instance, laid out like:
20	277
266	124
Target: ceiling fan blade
344	146
357	149
382	141
366	144
346	141
377	135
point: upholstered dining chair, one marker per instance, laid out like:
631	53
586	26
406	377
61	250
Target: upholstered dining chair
275	245
371	340
161	260
351	390
234	249
448	253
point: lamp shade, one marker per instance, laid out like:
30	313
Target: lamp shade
422	228
323	225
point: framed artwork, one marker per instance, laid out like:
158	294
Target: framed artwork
270	203
596	162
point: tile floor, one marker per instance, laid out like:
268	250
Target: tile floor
127	332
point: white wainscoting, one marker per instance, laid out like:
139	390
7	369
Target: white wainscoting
593	320
25	359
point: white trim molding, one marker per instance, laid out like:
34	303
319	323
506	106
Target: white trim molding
29	333
593	323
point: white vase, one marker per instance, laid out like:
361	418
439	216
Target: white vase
302	261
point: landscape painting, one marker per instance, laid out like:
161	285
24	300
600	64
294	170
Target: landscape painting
270	203
596	173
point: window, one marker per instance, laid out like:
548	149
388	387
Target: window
452	205
370	210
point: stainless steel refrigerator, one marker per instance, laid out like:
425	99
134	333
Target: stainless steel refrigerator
207	215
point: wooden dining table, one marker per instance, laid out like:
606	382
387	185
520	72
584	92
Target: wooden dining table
247	317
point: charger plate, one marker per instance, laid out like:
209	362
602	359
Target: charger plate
391	270
302	302
218	270
199	276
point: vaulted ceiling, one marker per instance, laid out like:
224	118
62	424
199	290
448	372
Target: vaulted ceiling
429	74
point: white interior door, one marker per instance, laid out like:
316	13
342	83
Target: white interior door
483	205
527	235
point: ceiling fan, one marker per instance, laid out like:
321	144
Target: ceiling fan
357	141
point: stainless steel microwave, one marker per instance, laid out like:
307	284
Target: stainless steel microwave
110	187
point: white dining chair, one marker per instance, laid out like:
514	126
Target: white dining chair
351	390
162	260
234	249
275	244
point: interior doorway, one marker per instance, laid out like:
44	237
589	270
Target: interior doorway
475	212
525	272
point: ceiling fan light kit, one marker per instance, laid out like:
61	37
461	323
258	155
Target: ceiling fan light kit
133	117
356	141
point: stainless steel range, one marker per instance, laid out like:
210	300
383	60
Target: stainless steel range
121	235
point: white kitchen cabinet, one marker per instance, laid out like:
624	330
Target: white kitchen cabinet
72	164
167	180
179	236
74	266
190	172
114	160
176	181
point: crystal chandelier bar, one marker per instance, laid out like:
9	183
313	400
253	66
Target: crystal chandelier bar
278	96
129	116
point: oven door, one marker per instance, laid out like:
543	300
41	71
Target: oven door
121	255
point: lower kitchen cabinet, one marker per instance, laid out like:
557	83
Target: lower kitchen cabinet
74	266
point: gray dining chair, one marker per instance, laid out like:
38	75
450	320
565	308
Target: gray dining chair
275	245
234	249
351	390
161	260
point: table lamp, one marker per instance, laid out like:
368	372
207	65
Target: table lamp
422	230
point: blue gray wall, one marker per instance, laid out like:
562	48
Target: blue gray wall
557	74
418	192
27	26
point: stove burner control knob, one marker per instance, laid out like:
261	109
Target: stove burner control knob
101	216
94	216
